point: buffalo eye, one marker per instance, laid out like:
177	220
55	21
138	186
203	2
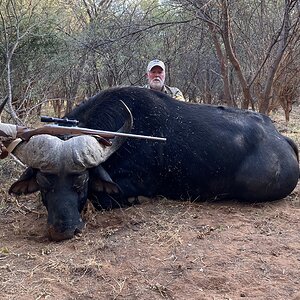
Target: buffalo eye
80	181
44	181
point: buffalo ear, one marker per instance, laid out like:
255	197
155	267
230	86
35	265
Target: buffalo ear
100	181
26	184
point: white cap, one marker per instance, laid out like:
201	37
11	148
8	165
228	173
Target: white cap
154	63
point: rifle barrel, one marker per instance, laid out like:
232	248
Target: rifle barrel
103	133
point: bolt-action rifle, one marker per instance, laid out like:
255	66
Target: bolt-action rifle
25	133
9	132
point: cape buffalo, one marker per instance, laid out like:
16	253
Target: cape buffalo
211	152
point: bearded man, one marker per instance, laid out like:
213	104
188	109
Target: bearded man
156	74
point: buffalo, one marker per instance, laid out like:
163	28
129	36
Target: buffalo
211	152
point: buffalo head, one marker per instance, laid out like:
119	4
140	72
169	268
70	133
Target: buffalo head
64	171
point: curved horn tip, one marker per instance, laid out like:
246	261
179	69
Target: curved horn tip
129	121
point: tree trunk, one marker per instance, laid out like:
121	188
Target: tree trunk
233	59
223	67
9	88
283	41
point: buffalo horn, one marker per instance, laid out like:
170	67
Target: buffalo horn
51	154
118	141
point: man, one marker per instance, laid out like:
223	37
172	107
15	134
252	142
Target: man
156	80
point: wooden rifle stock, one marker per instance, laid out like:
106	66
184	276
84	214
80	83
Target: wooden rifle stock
25	133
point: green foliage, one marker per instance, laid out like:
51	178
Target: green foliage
70	50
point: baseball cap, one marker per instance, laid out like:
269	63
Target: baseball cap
154	63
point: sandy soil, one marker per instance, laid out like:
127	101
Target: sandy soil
161	249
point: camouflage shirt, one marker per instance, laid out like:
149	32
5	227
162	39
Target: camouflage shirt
171	91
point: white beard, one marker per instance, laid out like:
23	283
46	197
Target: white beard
156	84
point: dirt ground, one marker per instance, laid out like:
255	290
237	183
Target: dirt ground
161	249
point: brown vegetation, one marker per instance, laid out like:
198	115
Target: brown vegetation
161	249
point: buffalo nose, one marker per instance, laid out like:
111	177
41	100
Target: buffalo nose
57	235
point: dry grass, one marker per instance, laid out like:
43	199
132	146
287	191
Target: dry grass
160	249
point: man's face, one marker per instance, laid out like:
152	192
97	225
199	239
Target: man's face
156	78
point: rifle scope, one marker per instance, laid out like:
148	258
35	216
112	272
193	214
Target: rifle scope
59	121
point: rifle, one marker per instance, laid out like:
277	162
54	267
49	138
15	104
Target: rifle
15	131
